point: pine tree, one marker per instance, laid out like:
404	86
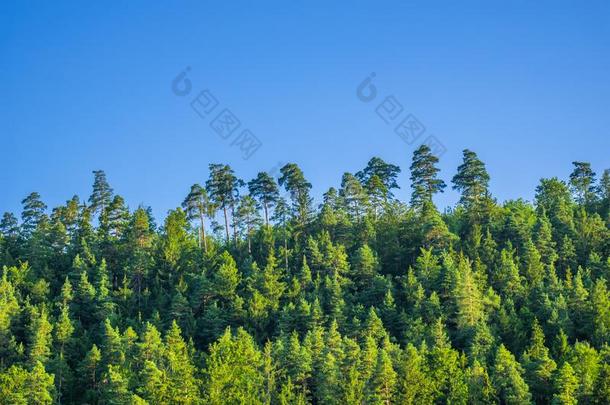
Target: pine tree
603	190
40	338
248	218
539	366
414	385
544	240
90	368
64	329
424	181
582	182
197	205
9	309
480	388
280	215
150	347
365	266
175	238
506	278
508	380
469	300
140	257
223	188
327	379
384	380
9	226
265	190
9	238
152	384
114	389
234	370
379	176
298	187
33	213
353	195
183	387
84	299
472	181
102	193
585	361
566	385
114	218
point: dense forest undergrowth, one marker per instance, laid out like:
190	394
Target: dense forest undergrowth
247	293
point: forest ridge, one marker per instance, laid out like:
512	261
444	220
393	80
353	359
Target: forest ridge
248	293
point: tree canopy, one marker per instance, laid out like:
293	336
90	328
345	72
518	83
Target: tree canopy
247	294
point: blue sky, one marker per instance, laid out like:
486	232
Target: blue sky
524	84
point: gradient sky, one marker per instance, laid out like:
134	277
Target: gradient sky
526	85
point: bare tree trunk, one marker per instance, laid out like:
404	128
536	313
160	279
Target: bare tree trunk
266	213
249	243
285	248
224	209
205	242
234	227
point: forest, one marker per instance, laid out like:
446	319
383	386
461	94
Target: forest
249	292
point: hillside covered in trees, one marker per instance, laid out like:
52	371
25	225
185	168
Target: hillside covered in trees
249	293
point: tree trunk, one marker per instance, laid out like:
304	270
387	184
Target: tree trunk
249	243
266	213
224	209
233	220
205	242
285	248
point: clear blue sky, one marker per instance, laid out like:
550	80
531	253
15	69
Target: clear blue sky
526	85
